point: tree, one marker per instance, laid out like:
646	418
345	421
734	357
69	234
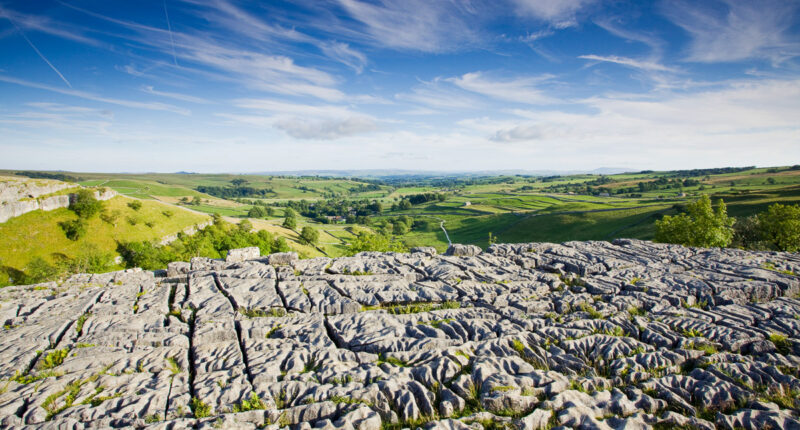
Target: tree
90	259
399	228
421	225
238	182
74	229
257	212
38	270
309	236
374	242
85	205
747	234
780	225
245	225
290	223
405	205
702	226
135	205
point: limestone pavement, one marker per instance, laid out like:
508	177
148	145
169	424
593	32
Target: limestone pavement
628	334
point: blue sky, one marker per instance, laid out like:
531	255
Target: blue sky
237	86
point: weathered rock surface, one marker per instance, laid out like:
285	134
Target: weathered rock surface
628	334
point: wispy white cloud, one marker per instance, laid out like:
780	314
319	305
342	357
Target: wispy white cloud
614	27
520	90
650	66
72	110
346	55
731	30
273	73
417	25
314	122
326	129
558	13
439	94
237	20
740	114
177	96
89	96
60	118
44	24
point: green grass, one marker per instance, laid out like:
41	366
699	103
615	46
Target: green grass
199	408
53	359
261	313
781	342
37	233
250	404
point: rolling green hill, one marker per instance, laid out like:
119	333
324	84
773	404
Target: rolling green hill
37	233
513	208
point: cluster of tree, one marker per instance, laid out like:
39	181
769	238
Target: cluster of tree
352	210
261	212
364	188
446	182
47	175
85	206
777	228
233	192
663	183
213	241
706	172
401	225
418	199
195	201
602	180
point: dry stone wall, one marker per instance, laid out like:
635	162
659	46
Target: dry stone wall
598	335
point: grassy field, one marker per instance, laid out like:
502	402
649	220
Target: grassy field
37	233
512	208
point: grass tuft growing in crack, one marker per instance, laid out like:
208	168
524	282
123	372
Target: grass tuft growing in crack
261	313
199	408
252	403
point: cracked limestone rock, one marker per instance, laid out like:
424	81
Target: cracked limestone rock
629	334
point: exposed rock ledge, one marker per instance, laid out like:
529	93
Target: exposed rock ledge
11	209
602	335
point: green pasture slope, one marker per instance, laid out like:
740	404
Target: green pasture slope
37	233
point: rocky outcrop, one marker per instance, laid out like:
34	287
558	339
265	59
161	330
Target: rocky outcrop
16	188
628	334
31	202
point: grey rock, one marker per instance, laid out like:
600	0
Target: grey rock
458	250
242	254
